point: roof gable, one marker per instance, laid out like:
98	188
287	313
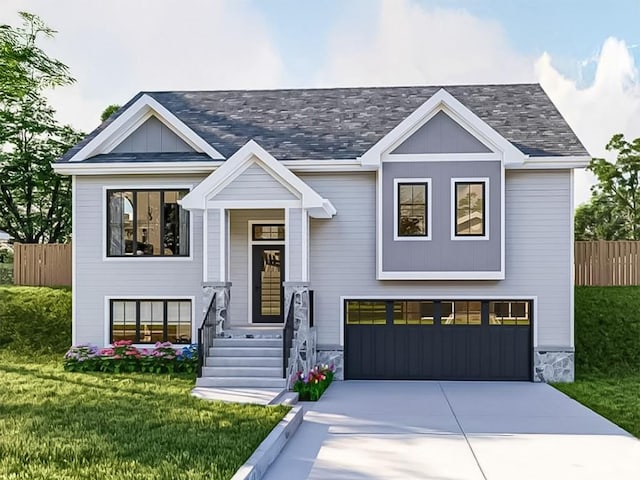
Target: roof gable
441	134
128	123
152	136
445	102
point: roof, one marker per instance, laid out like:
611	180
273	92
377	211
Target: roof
343	123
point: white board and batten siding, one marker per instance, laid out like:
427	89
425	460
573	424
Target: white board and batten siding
538	257
98	277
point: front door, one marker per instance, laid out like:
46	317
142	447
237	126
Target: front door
268	275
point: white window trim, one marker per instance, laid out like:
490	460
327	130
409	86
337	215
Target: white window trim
396	202
250	243
107	259
107	315
487	208
532	313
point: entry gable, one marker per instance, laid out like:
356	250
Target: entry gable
140	121
412	133
255	165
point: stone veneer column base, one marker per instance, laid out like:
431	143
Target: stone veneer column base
554	365
332	357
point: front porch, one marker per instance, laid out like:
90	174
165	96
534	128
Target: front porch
255	327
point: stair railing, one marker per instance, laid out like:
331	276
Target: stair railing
206	332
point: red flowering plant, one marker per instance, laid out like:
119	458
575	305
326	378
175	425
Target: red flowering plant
312	384
123	356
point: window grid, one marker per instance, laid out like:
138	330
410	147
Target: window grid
507	312
150	321
412	209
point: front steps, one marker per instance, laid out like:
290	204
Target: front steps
242	362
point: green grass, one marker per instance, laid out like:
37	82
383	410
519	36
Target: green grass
607	333
616	398
60	425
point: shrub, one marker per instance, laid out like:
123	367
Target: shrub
311	385
35	318
6	274
607	329
122	356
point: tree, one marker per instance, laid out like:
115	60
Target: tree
35	202
613	212
107	112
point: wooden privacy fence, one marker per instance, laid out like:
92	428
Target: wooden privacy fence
607	263
47	264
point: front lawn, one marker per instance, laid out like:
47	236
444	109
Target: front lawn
60	425
616	398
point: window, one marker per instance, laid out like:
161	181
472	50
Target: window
366	313
268	232
469	208
147	223
412	208
413	313
151	321
461	313
509	313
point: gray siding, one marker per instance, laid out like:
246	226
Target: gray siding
441	134
152	137
137	277
441	253
538	260
239	315
255	184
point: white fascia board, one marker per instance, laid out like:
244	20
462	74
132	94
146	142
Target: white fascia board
131	119
145	168
443	100
552	163
491	275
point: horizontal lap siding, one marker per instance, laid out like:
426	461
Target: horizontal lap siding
538	218
126	277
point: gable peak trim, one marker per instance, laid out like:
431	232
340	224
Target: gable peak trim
132	118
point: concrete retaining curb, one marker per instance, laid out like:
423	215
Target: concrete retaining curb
258	463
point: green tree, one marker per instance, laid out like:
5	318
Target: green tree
107	112
35	202
613	212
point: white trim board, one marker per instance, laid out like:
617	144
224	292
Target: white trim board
134	116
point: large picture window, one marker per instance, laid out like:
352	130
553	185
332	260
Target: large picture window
412	209
470	209
151	321
147	223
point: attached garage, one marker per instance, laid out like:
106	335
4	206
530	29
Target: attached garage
438	339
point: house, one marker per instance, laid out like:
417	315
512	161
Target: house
428	229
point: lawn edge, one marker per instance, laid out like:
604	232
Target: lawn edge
258	463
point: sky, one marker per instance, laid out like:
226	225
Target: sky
585	54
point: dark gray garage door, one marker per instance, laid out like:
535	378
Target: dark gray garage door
438	339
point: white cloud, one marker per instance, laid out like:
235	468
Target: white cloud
610	105
406	43
119	47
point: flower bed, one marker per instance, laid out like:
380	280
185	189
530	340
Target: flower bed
122	356
311	386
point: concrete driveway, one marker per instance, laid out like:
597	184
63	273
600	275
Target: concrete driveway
454	431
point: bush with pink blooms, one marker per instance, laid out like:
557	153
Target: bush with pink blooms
122	356
312	384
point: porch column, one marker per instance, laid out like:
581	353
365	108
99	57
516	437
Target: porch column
303	352
297	245
215	269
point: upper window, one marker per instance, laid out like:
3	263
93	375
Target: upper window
413	209
470	208
147	223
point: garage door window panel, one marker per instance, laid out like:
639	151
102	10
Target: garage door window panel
413	313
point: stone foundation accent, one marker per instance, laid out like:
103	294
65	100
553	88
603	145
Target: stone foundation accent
222	291
335	357
554	366
303	350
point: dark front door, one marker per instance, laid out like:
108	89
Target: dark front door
268	275
438	340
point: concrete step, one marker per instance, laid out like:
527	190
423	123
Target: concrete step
247	342
241	382
243	361
235	371
246	351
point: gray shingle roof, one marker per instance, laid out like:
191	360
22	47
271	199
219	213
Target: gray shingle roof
343	123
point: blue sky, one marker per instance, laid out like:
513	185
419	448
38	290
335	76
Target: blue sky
585	54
